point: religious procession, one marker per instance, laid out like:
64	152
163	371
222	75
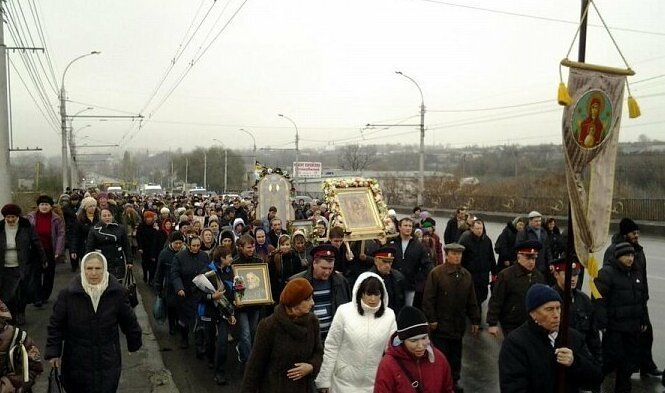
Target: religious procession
343	294
271	291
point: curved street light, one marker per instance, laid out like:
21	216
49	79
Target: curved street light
295	169
63	120
421	166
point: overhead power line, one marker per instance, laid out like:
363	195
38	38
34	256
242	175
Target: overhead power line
537	17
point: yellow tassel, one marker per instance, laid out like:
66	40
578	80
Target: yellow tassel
592	269
633	108
563	96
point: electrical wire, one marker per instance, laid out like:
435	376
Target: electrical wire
537	17
39	107
42	34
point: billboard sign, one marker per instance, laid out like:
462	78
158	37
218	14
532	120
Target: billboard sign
306	169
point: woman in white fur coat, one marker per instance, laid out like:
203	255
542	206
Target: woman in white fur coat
358	335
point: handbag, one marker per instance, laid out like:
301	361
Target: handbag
130	286
54	382
159	309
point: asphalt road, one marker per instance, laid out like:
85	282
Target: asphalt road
480	356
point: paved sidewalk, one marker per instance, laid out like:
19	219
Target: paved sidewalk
142	371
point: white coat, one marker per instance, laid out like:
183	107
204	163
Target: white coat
354	345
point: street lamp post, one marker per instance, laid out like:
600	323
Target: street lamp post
251	168
421	167
295	169
63	120
226	162
73	169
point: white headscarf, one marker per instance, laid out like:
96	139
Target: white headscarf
94	291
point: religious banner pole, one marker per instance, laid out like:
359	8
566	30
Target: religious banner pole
590	132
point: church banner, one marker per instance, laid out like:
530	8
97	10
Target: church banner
591	126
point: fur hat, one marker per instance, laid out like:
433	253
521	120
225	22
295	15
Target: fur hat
626	226
87	202
149	214
11	209
296	291
540	294
411	322
164	210
623	248
45	199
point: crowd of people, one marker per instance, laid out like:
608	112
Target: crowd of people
352	316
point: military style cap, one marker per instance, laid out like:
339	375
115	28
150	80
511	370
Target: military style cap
454	247
528	247
325	251
559	265
385	252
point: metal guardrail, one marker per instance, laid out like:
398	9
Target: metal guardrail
638	209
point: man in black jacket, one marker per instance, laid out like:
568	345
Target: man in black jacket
622	314
411	260
507	302
629	232
532	354
478	259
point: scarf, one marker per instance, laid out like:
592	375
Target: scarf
95	291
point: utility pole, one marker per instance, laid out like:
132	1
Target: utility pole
5	175
205	169
186	173
226	167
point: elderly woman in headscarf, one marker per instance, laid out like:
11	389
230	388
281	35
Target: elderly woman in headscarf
83	337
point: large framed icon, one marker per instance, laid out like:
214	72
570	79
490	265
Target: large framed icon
255	279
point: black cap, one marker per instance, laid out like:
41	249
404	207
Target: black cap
324	251
626	226
528	247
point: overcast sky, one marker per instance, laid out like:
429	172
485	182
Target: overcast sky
328	65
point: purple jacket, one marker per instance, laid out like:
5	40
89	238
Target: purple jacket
57	231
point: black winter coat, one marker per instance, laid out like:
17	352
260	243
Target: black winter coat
506	305
111	240
185	267
80	233
149	241
505	246
28	247
527	363
478	257
163	284
583	319
395	286
413	263
91	357
640	261
623	307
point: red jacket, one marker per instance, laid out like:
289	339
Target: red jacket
432	370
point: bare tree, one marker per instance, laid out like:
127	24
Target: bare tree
356	157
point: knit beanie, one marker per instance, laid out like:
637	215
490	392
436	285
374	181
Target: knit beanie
45	199
626	226
296	291
11	209
623	248
540	294
411	322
